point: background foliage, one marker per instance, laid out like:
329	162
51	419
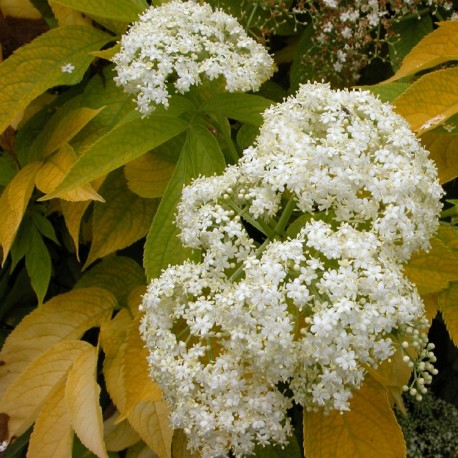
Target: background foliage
88	197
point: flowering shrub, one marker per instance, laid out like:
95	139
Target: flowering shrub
312	310
184	43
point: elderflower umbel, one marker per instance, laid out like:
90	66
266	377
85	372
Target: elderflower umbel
311	309
183	43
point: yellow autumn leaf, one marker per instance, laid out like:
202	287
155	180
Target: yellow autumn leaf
433	271
19	9
82	397
151	420
68	16
118	436
24	398
448	234
135	298
448	306
137	382
430	100
442	150
438	47
53	171
64	317
149	175
13	203
73	213
180	446
431	306
369	429
52	434
121	221
113	340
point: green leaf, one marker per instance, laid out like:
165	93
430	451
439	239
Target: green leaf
200	155
301	71
246	108
43	224
38	264
122	144
408	34
8	170
387	92
36	67
247	135
120	10
123	219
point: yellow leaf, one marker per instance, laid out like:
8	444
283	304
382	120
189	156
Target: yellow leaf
82	397
151	421
430	101
180	446
107	54
442	150
369	429
137	382
113	340
53	171
52	434
24	398
121	221
431	306
433	271
448	306
73	213
13	203
19	9
118	436
149	175
140	450
68	16
435	48
135	298
64	317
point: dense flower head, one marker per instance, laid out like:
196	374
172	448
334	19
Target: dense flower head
300	282
183	43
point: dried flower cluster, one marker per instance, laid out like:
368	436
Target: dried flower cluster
339	194
180	44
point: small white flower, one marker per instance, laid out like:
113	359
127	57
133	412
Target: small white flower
67	68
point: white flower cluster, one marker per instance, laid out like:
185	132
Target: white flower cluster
300	285
184	43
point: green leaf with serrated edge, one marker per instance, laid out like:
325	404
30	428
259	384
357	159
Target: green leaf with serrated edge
122	144
448	306
387	92
430	100
118	274
200	155
123	219
433	271
246	108
37	66
8	170
436	48
38	264
291	450
61	128
64	317
368	429
408	33
121	10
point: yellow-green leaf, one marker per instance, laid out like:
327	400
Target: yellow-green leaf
430	101
19	9
122	220
148	175
151	421
435	48
369	429
118	274
24	398
53	171
13	203
140	450
68	16
448	306
118	436
433	271
443	150
137	382
64	317
36	67
82	397
180	446
52	434
122	144
387	92
120	10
